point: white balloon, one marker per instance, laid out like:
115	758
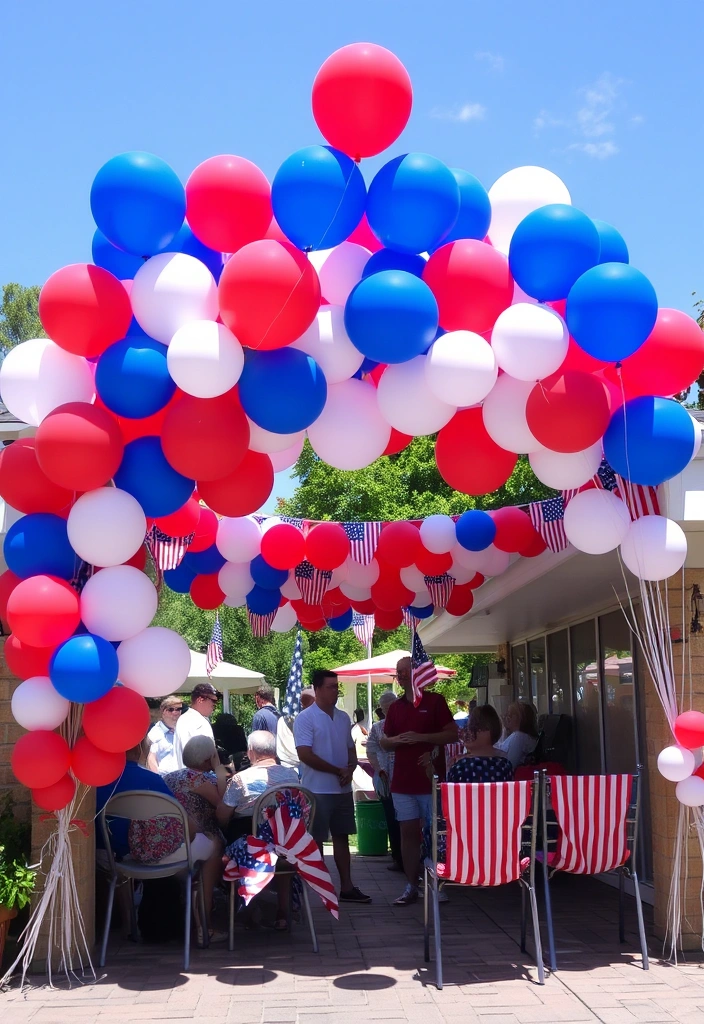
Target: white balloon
504	415
406	401
171	290
350	432
654	548
289	457
362	575
438	534
261	440
491	561
327	341
697	436
698	757
285	619
339	574
106	526
238	601
339	270
37	705
37	377
460	574
460	368
675	763
239	539
422	598
290	589
530	342
412	578
516	194
690	792
118	602
596	521
464	558
566	470
354	593
155	662
205	359
235	578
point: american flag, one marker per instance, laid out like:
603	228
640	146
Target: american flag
440	588
363	538
423	671
83	573
363	626
167	552
640	501
548	517
260	624
292	700
214	655
312	582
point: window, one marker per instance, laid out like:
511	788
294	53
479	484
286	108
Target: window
619	694
587	698
559	689
538	675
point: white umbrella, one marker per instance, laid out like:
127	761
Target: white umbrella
225	677
382	667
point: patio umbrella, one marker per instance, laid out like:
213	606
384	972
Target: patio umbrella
225	677
382	667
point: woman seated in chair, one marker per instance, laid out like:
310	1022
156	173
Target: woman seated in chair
521	734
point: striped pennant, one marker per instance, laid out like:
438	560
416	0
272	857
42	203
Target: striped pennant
591	811
440	588
260	624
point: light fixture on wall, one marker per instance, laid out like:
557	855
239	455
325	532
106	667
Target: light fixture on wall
697	605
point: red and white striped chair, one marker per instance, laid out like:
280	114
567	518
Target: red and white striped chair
490	838
590	827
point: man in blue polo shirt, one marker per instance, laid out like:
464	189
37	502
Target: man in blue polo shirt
266	718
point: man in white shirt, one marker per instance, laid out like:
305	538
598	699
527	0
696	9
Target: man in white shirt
161	757
196	721
328	759
285	743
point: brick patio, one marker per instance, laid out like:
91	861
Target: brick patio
370	967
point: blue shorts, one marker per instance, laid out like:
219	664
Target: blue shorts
408	807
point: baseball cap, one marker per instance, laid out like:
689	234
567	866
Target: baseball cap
205	690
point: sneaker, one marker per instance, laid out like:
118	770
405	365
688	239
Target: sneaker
408	896
355	895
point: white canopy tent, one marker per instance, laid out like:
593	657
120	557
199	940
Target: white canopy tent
226	677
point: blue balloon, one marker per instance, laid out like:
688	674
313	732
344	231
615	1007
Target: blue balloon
368	365
265	575
550	249
185	241
38	544
261	601
613	245
390	259
122	264
205	562
146	474
179	579
649	440
391	316
475	530
611	310
422	613
475	209
138	202
318	197
132	377
84	668
283	390
413	203
341	622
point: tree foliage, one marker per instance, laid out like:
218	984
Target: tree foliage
19	319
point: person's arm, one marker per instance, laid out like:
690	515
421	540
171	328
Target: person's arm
446	735
389	739
152	763
230	802
373	748
352	762
311	760
221	773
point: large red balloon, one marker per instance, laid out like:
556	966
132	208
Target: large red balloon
24	485
43	611
389	593
461	599
40	758
243	491
283	546
228	202
471	283
206	592
306	612
8	582
388	620
118	721
93	766
56	797
535	547
399	544
568	412
397	442
327	546
362	99
205	438
363	235
269	294
468	459
476	581
364	607
25	661
432	564
205	532
514	530
84	309
181	522
150	426
335	603
79	446
669	360
689	729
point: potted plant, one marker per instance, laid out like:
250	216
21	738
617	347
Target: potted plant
17	880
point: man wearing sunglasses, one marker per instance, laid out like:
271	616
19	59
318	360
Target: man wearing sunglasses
161	757
195	721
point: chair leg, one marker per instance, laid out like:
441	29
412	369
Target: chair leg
134	926
548	915
426	918
202	912
309	916
524	899
187	937
641	924
536	936
108	919
231	926
621	921
438	935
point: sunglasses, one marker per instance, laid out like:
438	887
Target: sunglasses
176	710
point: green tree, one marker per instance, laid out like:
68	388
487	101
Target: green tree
19	319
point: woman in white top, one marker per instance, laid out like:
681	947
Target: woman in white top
359	734
521	732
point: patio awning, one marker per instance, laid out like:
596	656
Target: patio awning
382	667
226	677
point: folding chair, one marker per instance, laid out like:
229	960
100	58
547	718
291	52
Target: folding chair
271	798
590	827
491	838
141	805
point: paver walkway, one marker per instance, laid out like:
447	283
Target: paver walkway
370	968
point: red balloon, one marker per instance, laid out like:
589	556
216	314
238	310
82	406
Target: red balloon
206	592
181	522
389	593
689	729
335	603
514	529
118	721
667	362
578	359
283	546
228	202
471	283
40	758
476	581
363	235
568	412
205	532
388	620
275	232
468	459
84	309
25	661
43	611
315	626
205	438
56	797
243	491
327	546
362	99
8	582
306	612
150	426
364	607
79	446
535	548
93	766
269	294
432	564
24	485
399	545
461	600
397	442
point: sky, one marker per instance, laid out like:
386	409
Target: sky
608	95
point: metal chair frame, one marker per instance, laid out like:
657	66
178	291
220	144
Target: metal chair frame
141	805
529	838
